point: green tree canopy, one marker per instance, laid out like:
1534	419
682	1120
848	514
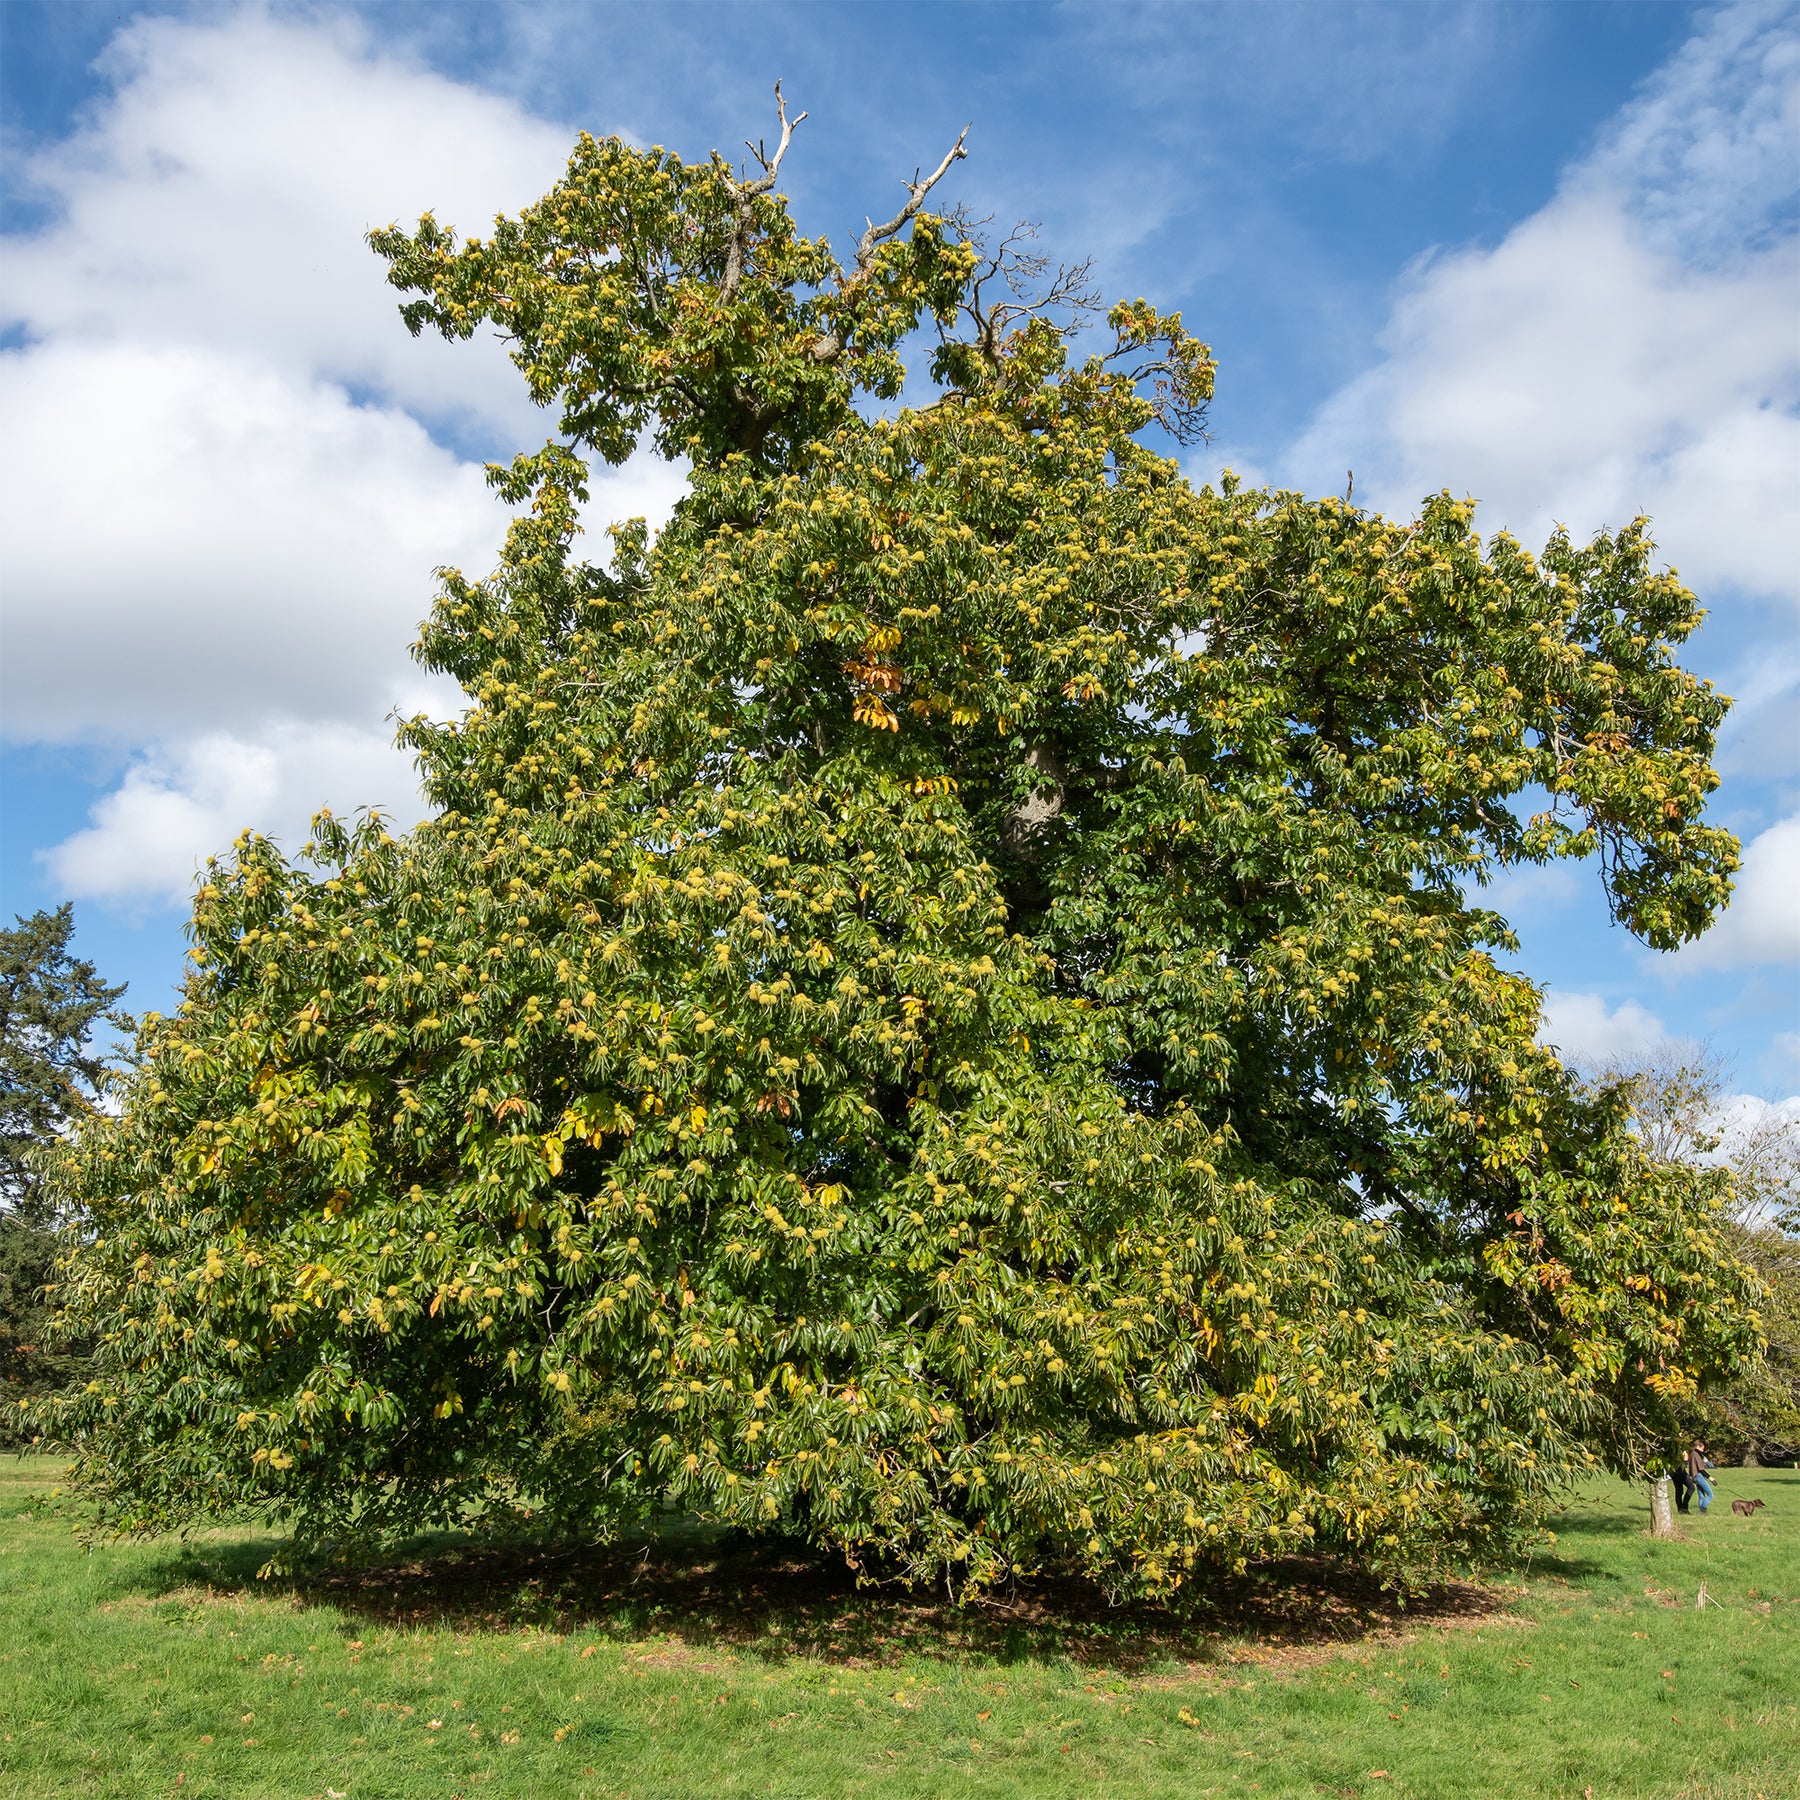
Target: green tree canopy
940	1007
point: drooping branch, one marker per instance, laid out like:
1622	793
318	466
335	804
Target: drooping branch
830	346
751	189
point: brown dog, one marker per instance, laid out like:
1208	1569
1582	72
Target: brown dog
1747	1507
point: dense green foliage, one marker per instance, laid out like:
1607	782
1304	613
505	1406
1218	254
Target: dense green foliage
939	1010
49	1004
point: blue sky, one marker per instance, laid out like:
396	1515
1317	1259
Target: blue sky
1543	254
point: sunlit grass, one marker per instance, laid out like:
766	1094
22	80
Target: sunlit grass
162	1670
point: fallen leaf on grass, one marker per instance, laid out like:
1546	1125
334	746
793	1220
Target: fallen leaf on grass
1378	1775
1573	1682
982	1718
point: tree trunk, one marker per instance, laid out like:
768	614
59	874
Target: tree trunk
1662	1514
1751	1459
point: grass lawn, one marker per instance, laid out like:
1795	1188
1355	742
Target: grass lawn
163	1669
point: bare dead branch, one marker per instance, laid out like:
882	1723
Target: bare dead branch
752	188
771	165
830	346
1021	272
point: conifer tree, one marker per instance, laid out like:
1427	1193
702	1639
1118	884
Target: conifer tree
50	1077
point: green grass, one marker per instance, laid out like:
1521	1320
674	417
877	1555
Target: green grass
156	1669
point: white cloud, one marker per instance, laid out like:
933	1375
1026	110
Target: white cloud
151	834
1630	347
220	502
1207	467
1759	738
237	542
1762	924
219	197
1708	145
241	543
1584	1030
1740	1116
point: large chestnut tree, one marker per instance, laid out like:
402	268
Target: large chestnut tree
944	1006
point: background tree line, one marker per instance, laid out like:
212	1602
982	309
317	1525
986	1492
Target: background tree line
1683	1110
50	1077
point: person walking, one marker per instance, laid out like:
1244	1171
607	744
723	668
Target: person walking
1684	1488
1697	1465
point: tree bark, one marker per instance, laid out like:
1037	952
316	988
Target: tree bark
1042	804
1662	1513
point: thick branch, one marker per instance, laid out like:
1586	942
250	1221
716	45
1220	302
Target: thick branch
1026	822
877	235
